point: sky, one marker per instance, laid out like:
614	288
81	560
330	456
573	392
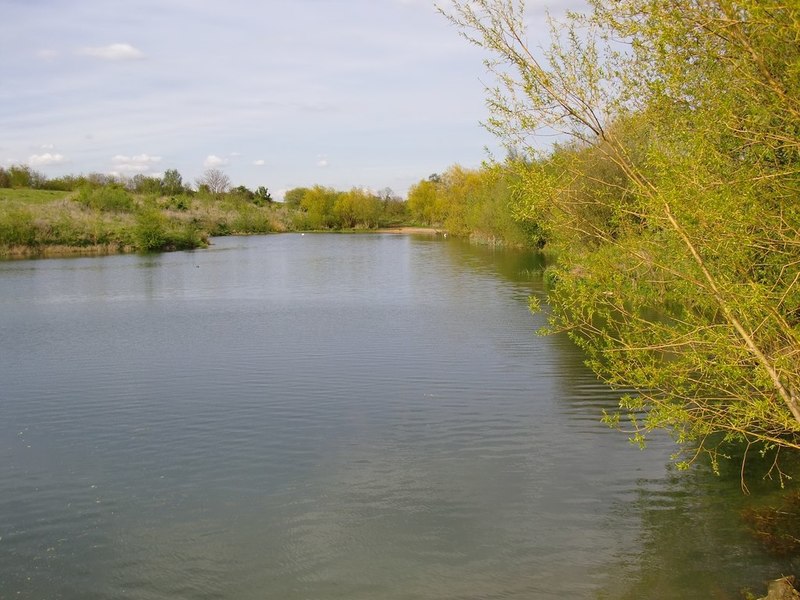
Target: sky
279	93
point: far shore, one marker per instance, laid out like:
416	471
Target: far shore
18	251
411	230
61	251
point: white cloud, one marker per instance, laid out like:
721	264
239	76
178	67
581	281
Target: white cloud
138	163
47	146
213	161
113	52
171	104
235	154
41	160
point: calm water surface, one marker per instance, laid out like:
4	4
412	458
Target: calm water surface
329	416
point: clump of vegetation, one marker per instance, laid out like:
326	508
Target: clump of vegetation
180	203
154	232
17	227
107	198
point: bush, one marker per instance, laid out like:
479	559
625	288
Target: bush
154	232
180	203
108	198
242	193
18	228
150	231
250	219
142	184
185	237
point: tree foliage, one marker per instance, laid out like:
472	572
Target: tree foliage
358	208
293	196
422	204
20	176
322	207
672	202
474	203
215	181
143	184
172	182
262	195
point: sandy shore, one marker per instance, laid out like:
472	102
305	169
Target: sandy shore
410	230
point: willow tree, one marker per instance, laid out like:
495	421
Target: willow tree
673	200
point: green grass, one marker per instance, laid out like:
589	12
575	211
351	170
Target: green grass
26	196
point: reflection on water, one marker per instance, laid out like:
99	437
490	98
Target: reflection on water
329	416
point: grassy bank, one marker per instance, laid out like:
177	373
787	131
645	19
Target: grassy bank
110	219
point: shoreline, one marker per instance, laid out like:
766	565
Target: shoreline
411	230
20	252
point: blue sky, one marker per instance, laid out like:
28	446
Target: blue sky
281	93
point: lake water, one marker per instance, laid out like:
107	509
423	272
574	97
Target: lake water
330	416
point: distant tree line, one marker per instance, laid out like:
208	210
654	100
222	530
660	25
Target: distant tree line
213	181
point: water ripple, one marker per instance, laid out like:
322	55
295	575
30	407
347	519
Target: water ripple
321	417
